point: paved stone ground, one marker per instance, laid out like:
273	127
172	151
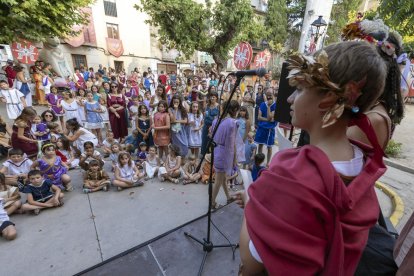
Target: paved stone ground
91	228
404	134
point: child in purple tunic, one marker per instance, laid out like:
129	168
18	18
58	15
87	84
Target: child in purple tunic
224	152
40	130
53	168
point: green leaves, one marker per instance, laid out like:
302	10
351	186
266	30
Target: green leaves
340	17
276	22
36	20
398	14
214	28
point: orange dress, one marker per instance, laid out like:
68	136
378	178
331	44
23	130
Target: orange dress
40	93
161	137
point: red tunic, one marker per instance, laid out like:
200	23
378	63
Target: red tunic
303	219
118	125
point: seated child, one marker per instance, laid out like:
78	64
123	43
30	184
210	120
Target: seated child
257	167
55	131
52	168
16	167
190	174
7	229
152	163
95	178
131	142
89	154
172	167
115	149
205	169
142	154
127	174
66	153
5	134
108	142
250	149
41	193
40	129
10	196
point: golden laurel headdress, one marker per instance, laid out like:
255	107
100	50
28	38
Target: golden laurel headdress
314	71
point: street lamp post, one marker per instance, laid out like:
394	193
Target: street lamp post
318	24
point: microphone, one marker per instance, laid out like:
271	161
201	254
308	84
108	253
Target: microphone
260	72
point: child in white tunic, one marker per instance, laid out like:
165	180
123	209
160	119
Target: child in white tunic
152	164
13	98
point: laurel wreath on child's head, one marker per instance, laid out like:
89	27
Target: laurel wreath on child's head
312	71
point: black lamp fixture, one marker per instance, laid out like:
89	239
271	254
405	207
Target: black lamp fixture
318	24
264	44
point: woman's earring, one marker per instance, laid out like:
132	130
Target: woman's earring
355	109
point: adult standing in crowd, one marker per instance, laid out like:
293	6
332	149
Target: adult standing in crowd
265	134
117	113
22	137
22	85
10	72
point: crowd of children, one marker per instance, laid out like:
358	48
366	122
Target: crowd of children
165	141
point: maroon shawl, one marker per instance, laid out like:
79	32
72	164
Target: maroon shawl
303	219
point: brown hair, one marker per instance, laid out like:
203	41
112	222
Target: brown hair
26	113
357	61
122	154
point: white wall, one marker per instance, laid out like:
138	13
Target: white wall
317	7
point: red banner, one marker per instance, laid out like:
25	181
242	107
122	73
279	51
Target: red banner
24	52
242	55
87	32
115	46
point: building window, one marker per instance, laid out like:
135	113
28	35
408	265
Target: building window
110	8
119	65
113	31
79	61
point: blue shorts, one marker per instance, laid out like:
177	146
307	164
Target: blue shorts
265	136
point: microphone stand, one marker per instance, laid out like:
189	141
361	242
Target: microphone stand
207	244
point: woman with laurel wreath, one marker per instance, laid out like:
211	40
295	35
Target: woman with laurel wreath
310	212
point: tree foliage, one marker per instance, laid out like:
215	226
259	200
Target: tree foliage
36	20
213	28
295	13
340	16
398	15
276	22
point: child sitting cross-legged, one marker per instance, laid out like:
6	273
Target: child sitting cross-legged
109	140
127	174
95	179
41	193
16	167
115	150
89	153
10	196
7	229
141	154
52	168
190	173
172	167
131	142
152	164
